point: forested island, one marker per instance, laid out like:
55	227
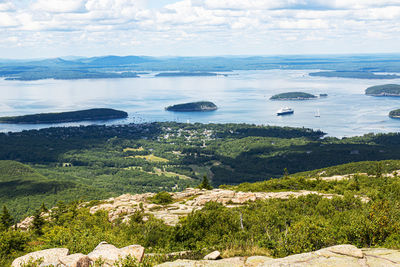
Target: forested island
383	90
185	74
70	116
293	96
395	114
354	74
193	106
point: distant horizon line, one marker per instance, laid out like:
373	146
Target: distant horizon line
73	57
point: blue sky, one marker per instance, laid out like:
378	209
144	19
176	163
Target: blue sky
52	28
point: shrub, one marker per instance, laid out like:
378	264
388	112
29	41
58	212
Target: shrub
162	198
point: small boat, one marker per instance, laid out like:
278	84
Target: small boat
284	111
317	114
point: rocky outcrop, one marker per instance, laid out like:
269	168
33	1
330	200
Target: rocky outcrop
25	224
187	201
59	257
341	255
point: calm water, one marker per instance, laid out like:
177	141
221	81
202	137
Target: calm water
241	97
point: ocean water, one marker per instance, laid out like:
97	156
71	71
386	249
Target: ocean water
243	96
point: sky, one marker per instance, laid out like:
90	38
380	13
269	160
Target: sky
59	28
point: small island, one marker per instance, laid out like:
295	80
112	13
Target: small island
395	114
293	96
353	74
383	90
186	74
193	106
71	116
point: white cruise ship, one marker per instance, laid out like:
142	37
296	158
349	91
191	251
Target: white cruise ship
284	111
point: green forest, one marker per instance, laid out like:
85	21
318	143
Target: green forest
273	227
40	168
97	162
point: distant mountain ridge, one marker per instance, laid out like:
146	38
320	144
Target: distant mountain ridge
350	66
115	60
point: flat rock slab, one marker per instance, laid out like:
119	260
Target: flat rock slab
229	262
49	256
345	250
341	255
378	257
254	261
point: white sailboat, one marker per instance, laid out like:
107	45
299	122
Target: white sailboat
317	114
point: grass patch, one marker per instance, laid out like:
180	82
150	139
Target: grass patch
133	149
150	158
171	174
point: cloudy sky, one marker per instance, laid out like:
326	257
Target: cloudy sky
51	28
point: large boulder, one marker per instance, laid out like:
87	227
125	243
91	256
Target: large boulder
75	260
48	256
110	254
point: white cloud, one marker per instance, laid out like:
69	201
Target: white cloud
206	23
7	20
60	6
7	6
357	4
292	4
304	24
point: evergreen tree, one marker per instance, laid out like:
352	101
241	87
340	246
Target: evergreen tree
378	170
285	173
37	223
205	184
43	208
6	221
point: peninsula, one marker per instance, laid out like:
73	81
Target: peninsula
384	90
71	116
293	96
69	75
193	106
